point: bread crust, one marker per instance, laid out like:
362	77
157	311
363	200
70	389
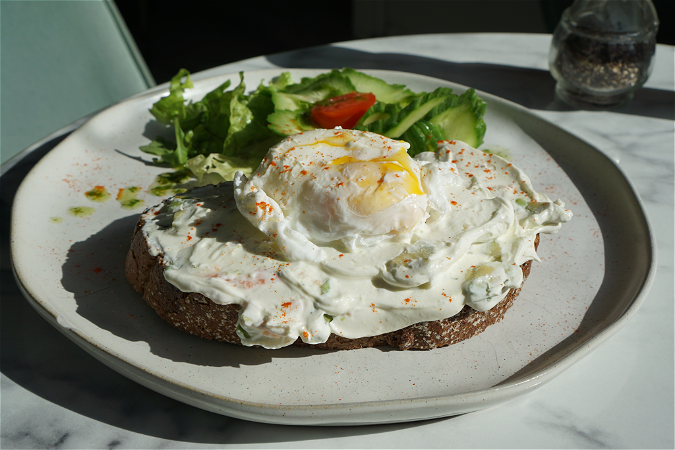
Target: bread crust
198	315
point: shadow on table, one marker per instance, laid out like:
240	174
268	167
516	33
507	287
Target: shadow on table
532	88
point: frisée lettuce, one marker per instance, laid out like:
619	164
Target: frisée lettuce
230	130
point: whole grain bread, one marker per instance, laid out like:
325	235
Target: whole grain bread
197	314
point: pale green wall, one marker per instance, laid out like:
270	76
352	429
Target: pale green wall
59	61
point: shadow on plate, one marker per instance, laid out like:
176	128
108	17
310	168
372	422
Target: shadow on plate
44	362
532	88
629	262
94	273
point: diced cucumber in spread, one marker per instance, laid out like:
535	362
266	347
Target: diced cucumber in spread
175	203
536	207
495	250
325	287
242	332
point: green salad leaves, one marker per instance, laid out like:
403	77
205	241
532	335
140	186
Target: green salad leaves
230	130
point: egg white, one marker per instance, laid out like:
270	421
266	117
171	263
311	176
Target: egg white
323	186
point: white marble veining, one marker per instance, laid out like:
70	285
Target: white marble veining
54	395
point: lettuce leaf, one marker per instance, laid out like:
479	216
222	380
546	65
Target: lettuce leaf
173	106
248	122
218	168
227	123
173	154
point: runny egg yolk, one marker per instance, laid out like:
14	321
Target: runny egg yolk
330	185
337	140
382	181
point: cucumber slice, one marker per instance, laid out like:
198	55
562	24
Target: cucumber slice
333	82
289	102
384	92
374	113
459	123
462	119
412	117
288	123
380	115
422	137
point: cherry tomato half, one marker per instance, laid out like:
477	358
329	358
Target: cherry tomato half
342	111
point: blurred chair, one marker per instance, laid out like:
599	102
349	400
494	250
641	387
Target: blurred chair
61	61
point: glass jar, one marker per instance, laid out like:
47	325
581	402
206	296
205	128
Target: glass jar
602	51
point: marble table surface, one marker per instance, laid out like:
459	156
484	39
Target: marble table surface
621	395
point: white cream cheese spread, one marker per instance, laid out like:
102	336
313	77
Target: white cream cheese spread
340	231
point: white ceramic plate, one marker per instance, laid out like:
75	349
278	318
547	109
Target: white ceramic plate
592	278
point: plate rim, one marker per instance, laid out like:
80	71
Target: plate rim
298	414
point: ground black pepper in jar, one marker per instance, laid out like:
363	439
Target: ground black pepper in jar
598	56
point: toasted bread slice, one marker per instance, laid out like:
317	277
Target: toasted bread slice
197	314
